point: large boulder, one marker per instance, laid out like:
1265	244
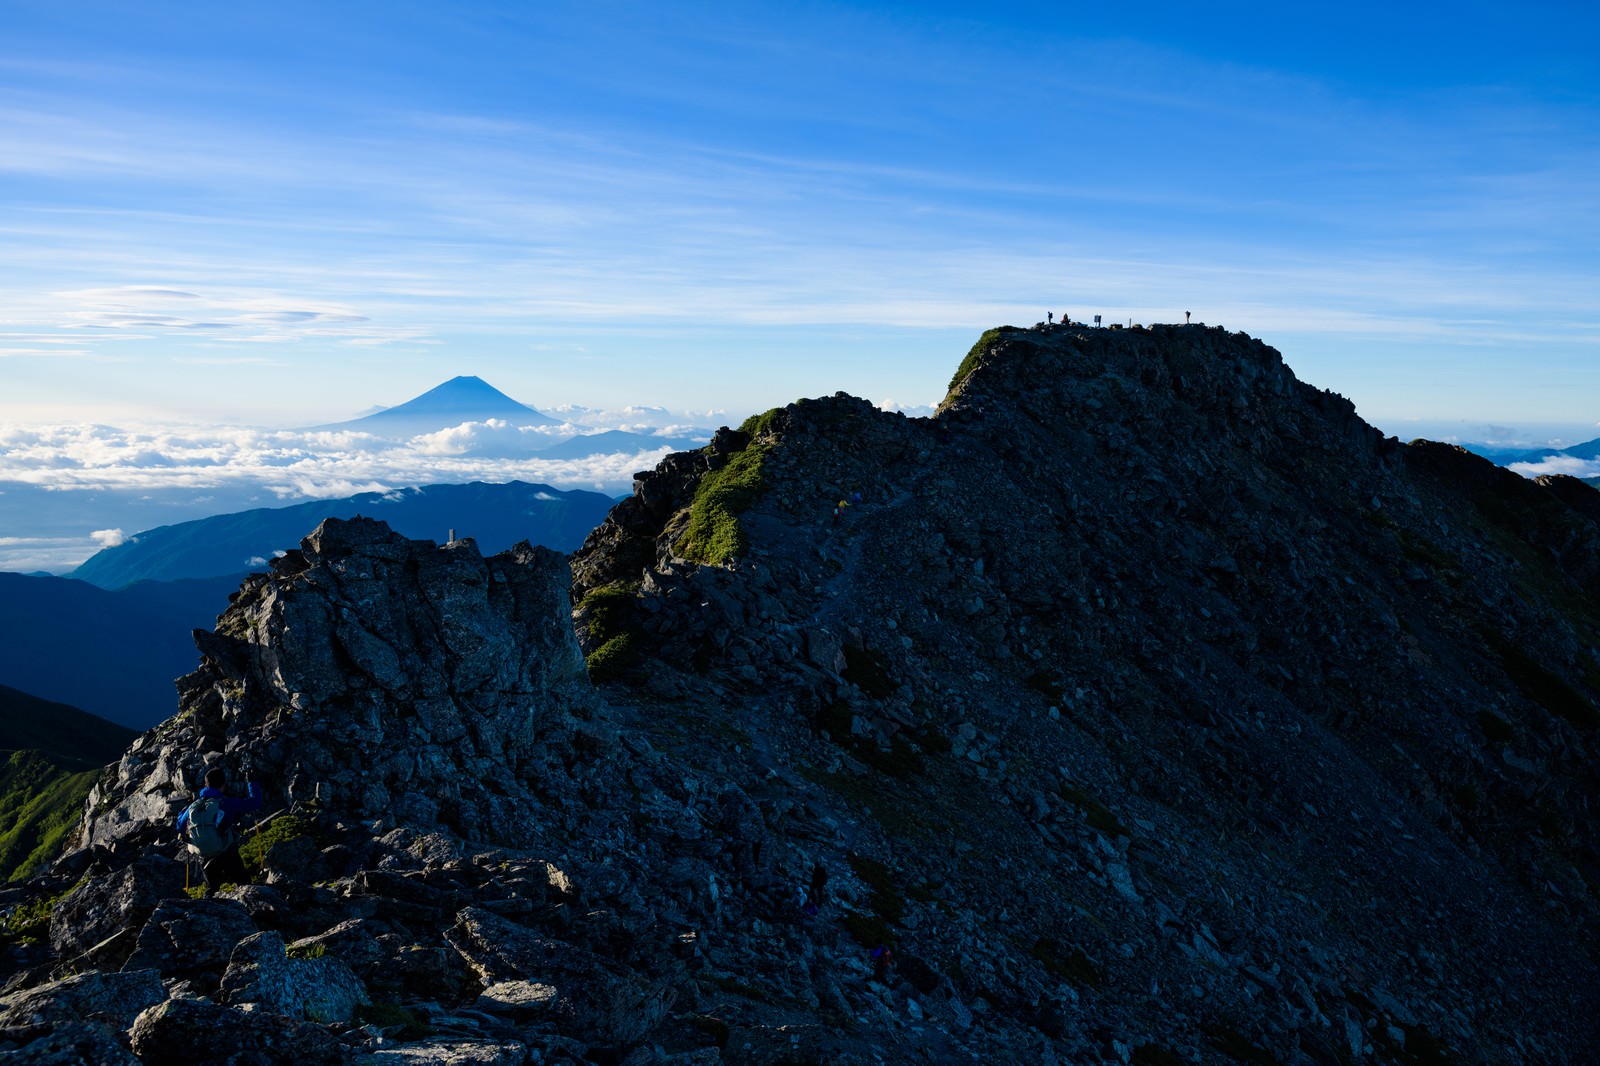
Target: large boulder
191	938
587	996
320	988
99	921
114	999
185	1032
71	1044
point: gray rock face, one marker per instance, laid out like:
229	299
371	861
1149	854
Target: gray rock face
98	922
525	972
261	975
112	999
393	678
74	1044
191	939
182	1032
451	1053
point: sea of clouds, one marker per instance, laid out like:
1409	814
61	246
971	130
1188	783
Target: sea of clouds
68	490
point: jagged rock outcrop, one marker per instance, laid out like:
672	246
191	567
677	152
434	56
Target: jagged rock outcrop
385	677
1146	703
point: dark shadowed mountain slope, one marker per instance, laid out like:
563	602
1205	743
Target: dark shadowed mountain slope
115	654
69	738
1147	704
495	515
49	757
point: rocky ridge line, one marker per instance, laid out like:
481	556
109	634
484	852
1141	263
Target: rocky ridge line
1149	704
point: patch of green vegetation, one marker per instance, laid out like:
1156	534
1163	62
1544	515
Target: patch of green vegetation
606	608
608	615
868	670
714	535
1074	966
261	841
29	923
40	808
612	658
975	354
412	1026
902	817
761	425
314	951
1543	686
1097	814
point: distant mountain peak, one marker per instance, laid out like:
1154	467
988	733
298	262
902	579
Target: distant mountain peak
463	398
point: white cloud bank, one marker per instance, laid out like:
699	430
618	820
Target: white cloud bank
122	472
295	464
1559	464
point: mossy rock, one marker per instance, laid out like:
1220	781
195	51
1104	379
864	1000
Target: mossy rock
612	658
714	535
987	340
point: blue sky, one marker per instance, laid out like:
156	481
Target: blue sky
281	214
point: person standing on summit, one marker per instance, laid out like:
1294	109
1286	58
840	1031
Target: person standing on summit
207	827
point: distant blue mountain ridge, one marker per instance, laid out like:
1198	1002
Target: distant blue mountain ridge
113	654
1587	450
496	516
112	638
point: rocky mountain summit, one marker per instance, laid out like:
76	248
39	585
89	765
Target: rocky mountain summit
1143	706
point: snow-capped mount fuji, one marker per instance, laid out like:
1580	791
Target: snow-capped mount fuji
464	398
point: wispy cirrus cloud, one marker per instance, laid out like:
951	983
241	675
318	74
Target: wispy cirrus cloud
244	315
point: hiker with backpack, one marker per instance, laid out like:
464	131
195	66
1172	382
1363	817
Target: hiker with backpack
207	826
